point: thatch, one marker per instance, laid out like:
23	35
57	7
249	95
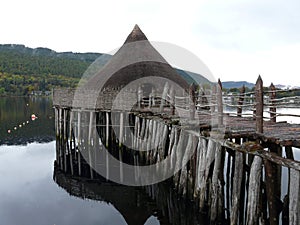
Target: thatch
137	58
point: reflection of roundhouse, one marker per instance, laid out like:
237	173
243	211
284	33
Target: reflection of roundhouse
132	203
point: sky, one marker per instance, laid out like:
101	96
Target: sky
236	39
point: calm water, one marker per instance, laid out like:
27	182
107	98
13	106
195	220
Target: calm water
33	192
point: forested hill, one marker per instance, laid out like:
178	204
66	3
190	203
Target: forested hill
24	70
21	60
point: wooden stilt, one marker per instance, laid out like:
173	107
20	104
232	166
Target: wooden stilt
294	200
79	143
254	191
236	189
70	141
216	185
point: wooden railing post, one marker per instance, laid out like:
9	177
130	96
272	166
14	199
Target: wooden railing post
172	100
220	103
164	97
192	100
140	97
241	101
259	104
213	98
272	96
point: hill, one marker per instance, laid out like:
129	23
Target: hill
25	70
237	84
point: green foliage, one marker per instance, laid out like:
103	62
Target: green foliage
25	84
23	70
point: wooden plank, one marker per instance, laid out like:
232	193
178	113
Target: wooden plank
254	191
208	159
273	187
216	195
294	200
184	172
236	189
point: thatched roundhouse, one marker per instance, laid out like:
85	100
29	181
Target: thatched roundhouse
137	65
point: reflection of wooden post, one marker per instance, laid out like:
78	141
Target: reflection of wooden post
272	96
241	101
192	100
259	104
220	103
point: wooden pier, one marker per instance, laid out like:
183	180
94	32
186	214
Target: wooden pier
238	169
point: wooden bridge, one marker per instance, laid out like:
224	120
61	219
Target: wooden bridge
238	169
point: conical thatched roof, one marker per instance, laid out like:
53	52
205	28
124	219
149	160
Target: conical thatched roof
137	58
136	35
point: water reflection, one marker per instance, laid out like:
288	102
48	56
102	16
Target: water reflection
26	120
155	204
29	196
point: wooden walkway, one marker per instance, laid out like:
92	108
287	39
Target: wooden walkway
232	167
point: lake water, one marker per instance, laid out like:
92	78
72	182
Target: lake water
33	192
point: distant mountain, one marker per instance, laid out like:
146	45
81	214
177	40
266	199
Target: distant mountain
237	84
22	49
285	87
191	77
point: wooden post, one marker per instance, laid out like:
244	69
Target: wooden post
172	100
192	100
57	134
254	191
153	97
140	97
272	96
107	129
213	98
273	185
294	200
220	103
259	97
236	189
65	138
164	96
216	185
79	143
90	143
241	101
60	138
121	134
70	141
